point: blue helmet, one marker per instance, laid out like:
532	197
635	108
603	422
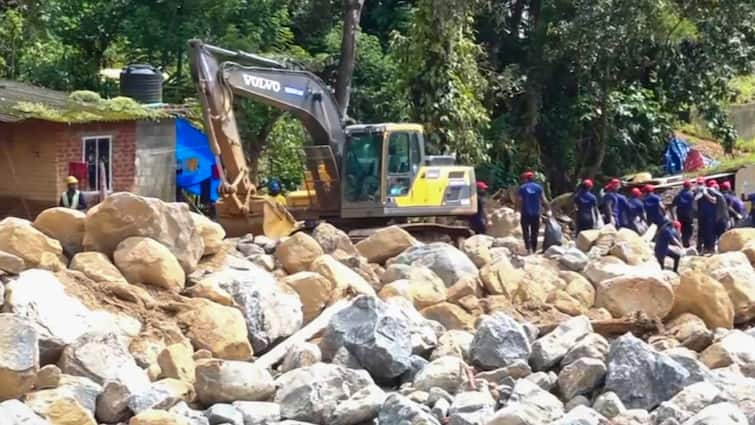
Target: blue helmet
274	186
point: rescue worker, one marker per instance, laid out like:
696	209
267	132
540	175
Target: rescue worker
72	197
615	205
653	204
682	210
636	212
275	191
531	199
750	197
479	222
706	218
586	204
735	205
722	211
668	236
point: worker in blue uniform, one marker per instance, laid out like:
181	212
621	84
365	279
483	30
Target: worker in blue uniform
532	201
750	197
614	205
654	208
586	204
706	218
735	205
668	236
636	212
682	210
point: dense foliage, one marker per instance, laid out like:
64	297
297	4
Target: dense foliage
571	87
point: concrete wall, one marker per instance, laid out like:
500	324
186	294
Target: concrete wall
743	118
156	159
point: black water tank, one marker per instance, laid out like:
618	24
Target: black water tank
143	83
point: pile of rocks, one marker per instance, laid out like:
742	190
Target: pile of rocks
143	313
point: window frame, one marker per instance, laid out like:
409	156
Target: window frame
408	154
96	139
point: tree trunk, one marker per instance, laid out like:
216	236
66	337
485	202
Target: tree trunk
351	17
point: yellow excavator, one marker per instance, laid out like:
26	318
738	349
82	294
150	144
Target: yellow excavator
357	176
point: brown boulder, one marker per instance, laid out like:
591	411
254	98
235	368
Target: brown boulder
464	287
64	224
212	233
735	273
704	297
20	238
451	316
567	304
342	278
217	328
578	288
158	417
96	266
210	290
10	263
123	215
631	248
297	253
68	411
501	278
385	243
691	331
314	291
623	296
144	260
332	239
176	362
736	239
586	239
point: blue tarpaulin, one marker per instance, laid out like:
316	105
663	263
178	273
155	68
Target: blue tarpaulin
675	155
194	160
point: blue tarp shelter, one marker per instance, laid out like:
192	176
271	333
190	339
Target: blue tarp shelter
675	155
194	161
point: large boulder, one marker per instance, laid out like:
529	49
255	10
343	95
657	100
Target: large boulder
122	215
551	348
581	377
640	376
96	266
270	312
343	278
20	238
297	252
735	273
451	316
212	233
314	292
19	356
162	394
217	328
688	402
385	243
704	297
586	239
631	248
83	390
499	341
735	348
332	238
14	412
609	267
144	260
425	287
625	295
450	264
361	407
226	381
579	288
66	225
313	393
501	278
503	222
478	248
719	414
736	239
373	332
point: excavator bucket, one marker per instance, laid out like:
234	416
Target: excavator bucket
265	217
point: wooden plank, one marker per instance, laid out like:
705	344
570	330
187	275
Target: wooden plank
276	355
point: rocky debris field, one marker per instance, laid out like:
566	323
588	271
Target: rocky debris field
143	313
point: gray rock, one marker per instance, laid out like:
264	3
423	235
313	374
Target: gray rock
374	332
112	404
447	262
698	372
194	417
633	417
343	357
13	412
101	357
581	377
222	413
416	365
424	333
436	394
301	355
593	346
517	370
641	377
19	355
246	246
548	350
688	402
532	332
266	243
579	400
609	405
312	393
419	397
362	406
331	238
574	259
80	389
453	343
499	341
583	415
554	252
471	408
226	381
400	410
440	410
529	404
270	313
544	380
264	261
48	377
719	414
162	395
258	412
448	373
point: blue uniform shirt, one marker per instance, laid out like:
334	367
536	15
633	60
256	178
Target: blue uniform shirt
653	210
735	203
666	234
706	210
585	203
531	194
636	209
612	198
684	202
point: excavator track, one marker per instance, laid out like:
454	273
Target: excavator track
424	232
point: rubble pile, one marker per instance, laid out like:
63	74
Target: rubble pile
143	313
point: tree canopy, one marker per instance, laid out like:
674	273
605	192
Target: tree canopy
571	87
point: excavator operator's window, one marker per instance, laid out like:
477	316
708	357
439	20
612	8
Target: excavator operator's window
399	168
363	164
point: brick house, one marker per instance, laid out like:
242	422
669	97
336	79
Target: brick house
39	148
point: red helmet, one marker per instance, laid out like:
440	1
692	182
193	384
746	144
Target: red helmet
481	185
528	175
648	188
726	185
636	193
712	183
687	184
677	225
614	184
587	183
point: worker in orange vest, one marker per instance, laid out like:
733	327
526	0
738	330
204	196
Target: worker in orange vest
72	197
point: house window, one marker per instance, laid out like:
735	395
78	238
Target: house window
97	150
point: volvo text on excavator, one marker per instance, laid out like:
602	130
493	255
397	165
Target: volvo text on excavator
357	176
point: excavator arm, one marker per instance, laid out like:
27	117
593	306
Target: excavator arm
298	92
